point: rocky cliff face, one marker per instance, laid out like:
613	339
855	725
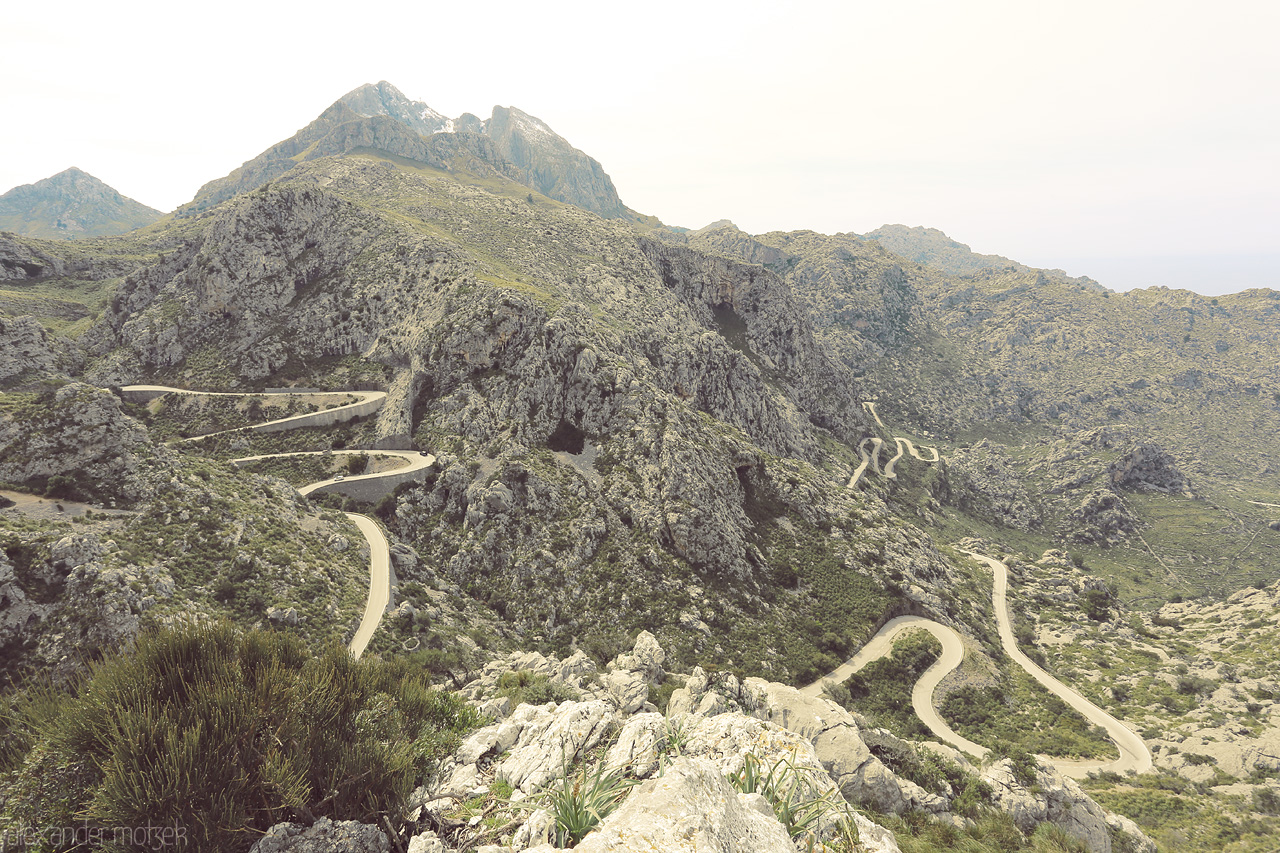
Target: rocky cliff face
551	165
607	417
383	99
27	347
80	436
71	204
341	130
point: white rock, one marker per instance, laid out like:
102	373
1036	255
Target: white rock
552	740
690	808
426	842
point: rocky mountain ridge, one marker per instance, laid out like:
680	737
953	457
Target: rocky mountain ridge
511	144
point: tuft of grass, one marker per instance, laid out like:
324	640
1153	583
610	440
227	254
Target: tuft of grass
579	801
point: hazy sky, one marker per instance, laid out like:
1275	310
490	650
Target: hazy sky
1102	134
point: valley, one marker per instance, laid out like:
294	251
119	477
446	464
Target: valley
840	495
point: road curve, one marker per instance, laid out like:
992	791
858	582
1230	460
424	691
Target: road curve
922	693
368	401
416	460
379	582
889	473
379	551
871	407
1134	754
904	445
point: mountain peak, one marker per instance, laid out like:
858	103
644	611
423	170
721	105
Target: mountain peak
71	204
383	99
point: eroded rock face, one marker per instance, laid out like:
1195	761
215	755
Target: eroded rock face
17	609
1058	800
1149	467
548	739
84	435
984	482
26	347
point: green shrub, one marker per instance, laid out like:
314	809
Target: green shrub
532	688
224	734
1051	838
1267	801
1096	604
1025	765
1194	685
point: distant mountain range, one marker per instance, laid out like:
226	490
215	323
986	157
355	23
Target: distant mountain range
71	204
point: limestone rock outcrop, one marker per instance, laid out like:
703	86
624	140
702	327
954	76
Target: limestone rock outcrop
692	807
324	836
716	728
27	348
1152	468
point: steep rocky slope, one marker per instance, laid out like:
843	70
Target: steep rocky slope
613	417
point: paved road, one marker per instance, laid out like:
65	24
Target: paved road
416	462
379	551
379	582
365	397
1134	754
866	459
871	407
922	693
904	445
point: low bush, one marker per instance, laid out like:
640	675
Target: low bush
531	688
224	734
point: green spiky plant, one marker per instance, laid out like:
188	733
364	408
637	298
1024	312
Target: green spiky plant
582	799
801	806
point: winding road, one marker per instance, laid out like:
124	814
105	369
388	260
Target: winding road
1134	754
904	445
379	551
368	403
922	693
